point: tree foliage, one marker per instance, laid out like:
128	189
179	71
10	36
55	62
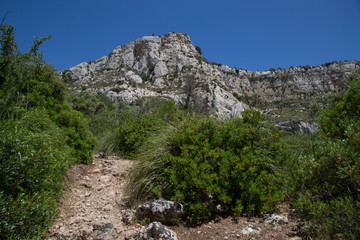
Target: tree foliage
40	137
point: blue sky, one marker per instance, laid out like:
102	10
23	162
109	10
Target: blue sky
247	34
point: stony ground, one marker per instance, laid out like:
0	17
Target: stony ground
94	199
94	205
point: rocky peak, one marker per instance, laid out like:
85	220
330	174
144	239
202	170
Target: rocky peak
171	66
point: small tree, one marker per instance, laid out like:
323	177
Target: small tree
198	49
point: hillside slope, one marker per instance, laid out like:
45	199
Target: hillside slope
171	66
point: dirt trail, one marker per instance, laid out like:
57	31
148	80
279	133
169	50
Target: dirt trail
93	206
95	198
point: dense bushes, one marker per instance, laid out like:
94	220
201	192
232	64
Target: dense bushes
137	122
33	158
101	111
329	183
243	166
215	166
40	137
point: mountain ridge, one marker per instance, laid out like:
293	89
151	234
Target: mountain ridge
171	66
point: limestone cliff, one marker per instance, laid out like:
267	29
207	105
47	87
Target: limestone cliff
171	66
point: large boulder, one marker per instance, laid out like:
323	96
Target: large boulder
161	210
133	78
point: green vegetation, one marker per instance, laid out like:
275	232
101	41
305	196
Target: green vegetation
40	137
329	189
238	166
136	122
198	49
213	166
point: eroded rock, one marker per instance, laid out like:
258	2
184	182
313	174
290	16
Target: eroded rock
164	211
250	230
299	126
156	231
103	231
276	220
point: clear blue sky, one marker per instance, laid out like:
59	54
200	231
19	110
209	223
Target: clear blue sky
247	34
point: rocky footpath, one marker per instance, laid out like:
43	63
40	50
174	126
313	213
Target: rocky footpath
94	208
171	66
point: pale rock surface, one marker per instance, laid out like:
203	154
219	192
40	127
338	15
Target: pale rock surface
276	220
249	230
299	126
155	231
133	78
160	210
155	63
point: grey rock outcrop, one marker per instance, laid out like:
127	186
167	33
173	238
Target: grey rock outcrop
170	66
299	126
164	211
103	231
250	230
156	231
100	155
276	220
128	216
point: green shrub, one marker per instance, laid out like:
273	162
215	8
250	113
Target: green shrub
329	187
136	123
33	160
40	137
198	49
213	165
132	133
99	109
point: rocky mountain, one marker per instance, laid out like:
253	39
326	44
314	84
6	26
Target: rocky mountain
171	66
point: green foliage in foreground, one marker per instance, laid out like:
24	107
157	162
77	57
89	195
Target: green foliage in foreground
328	193
243	166
40	137
34	158
214	166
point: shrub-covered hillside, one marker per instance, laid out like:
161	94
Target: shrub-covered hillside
215	166
40	137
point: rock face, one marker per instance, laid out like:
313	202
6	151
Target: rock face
299	126
161	210
171	67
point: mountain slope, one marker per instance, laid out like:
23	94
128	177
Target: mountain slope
171	66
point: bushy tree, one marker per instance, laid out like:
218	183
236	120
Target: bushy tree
40	137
